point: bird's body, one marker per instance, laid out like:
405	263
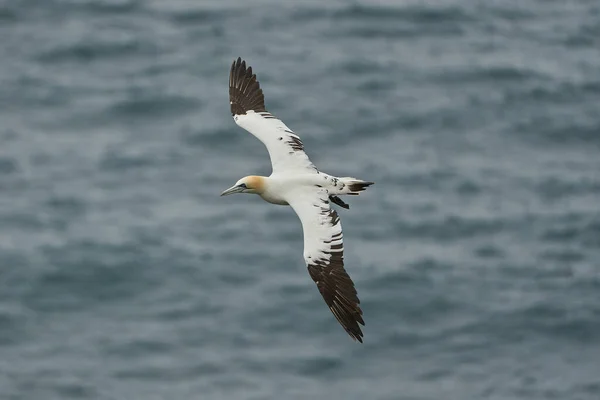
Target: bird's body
277	188
296	182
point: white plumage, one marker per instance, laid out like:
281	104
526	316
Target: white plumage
284	146
295	181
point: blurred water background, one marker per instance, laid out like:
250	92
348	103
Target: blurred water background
476	255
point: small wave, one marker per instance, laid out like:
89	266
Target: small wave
449	229
118	160
377	85
573	132
433	179
414	275
468	188
583	229
557	94
85	274
23	220
116	7
88	51
489	251
8	165
563	256
556	188
217	138
194	17
486	74
361	66
13	324
508	12
154	107
586	37
68	206
413	14
561	234
550	319
591	234
7	15
369	22
315	366
400	32
136	347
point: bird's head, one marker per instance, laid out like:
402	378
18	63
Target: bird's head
248	184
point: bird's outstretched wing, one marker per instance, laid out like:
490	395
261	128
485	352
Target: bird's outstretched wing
248	109
324	256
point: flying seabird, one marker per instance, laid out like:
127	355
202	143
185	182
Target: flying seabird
296	182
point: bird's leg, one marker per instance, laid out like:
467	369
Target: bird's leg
339	202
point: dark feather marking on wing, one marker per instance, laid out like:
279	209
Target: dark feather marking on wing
296	143
339	202
266	115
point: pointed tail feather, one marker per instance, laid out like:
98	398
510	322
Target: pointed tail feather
354	186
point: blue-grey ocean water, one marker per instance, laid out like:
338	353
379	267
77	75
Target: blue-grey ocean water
476	255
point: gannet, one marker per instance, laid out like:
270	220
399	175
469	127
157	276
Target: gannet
296	182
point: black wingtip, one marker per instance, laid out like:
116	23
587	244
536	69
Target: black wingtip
354	331
337	289
245	93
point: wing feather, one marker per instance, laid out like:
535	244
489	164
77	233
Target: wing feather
247	103
324	256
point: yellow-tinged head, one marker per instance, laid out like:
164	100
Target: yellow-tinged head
248	184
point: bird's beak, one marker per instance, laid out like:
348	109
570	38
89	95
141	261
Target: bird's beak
232	190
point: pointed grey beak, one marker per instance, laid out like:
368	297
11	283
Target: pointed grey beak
233	189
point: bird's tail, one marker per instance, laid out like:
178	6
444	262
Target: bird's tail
354	186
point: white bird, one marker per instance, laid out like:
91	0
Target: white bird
295	181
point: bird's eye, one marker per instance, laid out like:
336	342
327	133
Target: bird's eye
243	185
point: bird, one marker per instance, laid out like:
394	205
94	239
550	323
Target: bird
295	181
